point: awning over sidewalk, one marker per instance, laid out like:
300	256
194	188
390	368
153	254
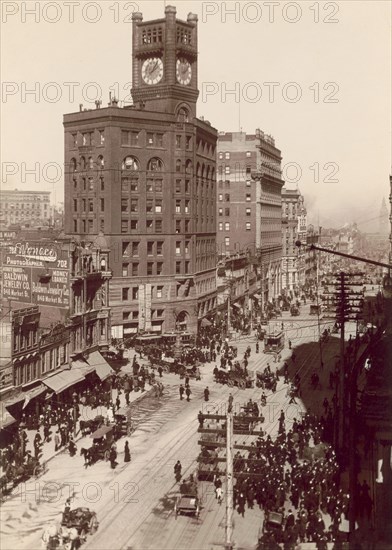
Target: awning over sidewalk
205	323
6	418
236	305
33	393
63	380
83	367
102	367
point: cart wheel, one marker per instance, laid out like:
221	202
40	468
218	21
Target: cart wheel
107	455
230	383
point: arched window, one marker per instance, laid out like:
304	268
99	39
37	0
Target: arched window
188	167
90	163
198	170
213	173
155	165
82	163
130	163
73	165
203	171
100	161
178	165
183	115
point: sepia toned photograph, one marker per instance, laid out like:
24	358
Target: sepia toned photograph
195	275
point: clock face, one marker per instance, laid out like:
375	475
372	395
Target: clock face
183	71
152	70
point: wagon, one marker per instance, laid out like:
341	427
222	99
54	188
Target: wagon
123	426
273	524
83	520
102	442
273	343
315	309
187	504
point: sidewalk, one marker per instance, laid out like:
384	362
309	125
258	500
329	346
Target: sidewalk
86	413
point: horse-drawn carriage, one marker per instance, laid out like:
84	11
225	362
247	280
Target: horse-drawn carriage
75	526
15	474
315	309
237	376
187	502
123	423
191	371
207	464
103	439
265	380
90	426
272	530
294	311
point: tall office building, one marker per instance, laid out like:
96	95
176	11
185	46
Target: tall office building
144	176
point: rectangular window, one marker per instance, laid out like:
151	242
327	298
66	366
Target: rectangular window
159	140
159	248
178	142
248	170
102	183
150	248
125	292
227	211
149	224
158	186
159	268
134	224
227	226
75	226
248	197
158	206
75	204
101	137
135	314
178	186
220	226
227	156
187	226
248	211
135	269
150	139
178	247
178	226
220	197
150	267
125	248
134	205
227	170
134	138
102	204
75	186
247	226
178	207
159	291
227	241
124	205
188	145
187	207
247	183
149	205
248	154
187	186
84	205
124	226
126	315
158	226
186	247
187	266
125	137
75	140
102	225
125	185
84	184
90	184
227	197
135	293
125	270
150	186
220	211
178	268
134	185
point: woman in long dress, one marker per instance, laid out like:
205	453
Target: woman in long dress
127	454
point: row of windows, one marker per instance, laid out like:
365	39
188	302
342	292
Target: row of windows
88	184
227	169
248	211
88	139
226	155
227	226
248	197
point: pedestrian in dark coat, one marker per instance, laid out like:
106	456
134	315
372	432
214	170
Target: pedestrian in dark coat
127	454
181	390
188	393
206	394
112	458
160	371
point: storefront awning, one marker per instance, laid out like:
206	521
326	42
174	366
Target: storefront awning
102	367
33	393
6	418
83	367
63	380
236	305
205	323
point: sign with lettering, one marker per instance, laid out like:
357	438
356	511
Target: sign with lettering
7	235
36	273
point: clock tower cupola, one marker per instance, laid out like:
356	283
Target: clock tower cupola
164	63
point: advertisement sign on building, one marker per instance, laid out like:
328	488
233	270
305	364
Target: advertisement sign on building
36	273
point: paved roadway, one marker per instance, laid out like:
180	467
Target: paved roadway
134	503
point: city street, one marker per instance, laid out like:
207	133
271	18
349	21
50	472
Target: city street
135	502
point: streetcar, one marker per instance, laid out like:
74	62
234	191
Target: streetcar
274	342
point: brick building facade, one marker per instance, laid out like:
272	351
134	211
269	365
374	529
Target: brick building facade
24	207
145	176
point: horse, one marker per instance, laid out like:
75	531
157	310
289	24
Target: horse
88	456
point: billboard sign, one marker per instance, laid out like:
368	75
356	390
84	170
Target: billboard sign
37	272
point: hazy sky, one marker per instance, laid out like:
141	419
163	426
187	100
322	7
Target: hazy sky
329	108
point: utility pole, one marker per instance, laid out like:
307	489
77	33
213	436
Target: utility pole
229	480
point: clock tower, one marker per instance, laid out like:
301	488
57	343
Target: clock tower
164	64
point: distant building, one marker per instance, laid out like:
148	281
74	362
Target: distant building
249	184
24	207
294	225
